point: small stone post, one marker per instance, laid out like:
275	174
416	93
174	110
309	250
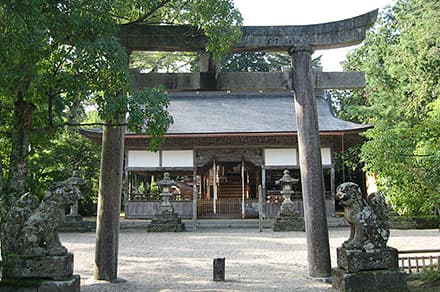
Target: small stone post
219	269
312	181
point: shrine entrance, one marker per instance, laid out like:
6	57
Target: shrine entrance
229	190
229	180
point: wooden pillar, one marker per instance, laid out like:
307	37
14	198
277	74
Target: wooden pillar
263	191
312	181
126	190
260	208
333	188
194	203
214	185
242	191
109	204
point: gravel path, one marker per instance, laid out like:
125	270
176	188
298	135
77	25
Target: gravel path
255	261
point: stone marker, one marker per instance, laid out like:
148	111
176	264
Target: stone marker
34	258
74	221
166	219
219	269
365	262
288	219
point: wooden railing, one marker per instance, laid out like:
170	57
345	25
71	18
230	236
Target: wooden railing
226	208
147	209
416	260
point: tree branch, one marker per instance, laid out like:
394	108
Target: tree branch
180	9
149	13
94	124
415	155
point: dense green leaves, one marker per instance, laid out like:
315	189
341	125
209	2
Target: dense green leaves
401	57
56	162
58	53
147	115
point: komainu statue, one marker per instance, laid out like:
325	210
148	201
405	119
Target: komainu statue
30	244
367	217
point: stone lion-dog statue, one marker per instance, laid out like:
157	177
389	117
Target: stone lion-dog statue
367	217
33	228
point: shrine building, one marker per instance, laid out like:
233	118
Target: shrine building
223	146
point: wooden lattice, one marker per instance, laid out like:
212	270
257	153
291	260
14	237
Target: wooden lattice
416	260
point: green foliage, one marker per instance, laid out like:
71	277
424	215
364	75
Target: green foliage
164	61
57	160
218	19
431	274
58	55
154	189
147	114
259	62
401	58
255	62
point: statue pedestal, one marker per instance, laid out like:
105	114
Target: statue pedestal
288	224
373	281
353	260
166	222
72	284
288	219
47	267
375	270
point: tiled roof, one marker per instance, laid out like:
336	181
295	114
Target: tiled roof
245	112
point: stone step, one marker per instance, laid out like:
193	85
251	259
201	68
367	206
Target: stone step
229	223
214	223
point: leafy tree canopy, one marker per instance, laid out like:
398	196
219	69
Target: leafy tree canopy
55	55
401	58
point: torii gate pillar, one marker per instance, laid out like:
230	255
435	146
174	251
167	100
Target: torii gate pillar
312	181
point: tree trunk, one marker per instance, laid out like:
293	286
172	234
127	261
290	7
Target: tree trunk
109	203
15	184
1	174
19	158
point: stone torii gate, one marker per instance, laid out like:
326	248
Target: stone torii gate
300	42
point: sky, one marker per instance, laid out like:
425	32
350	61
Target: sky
298	12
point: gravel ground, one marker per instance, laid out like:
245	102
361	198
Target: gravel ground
255	261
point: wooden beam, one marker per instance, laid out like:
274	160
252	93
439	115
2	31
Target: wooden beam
339	80
244	80
255	38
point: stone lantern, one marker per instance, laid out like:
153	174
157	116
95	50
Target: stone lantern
288	219
166	183
74	216
166	220
286	182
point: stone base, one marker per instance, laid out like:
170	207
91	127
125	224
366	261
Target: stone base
73	218
73	226
352	260
366	281
48	267
288	224
166	222
72	284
